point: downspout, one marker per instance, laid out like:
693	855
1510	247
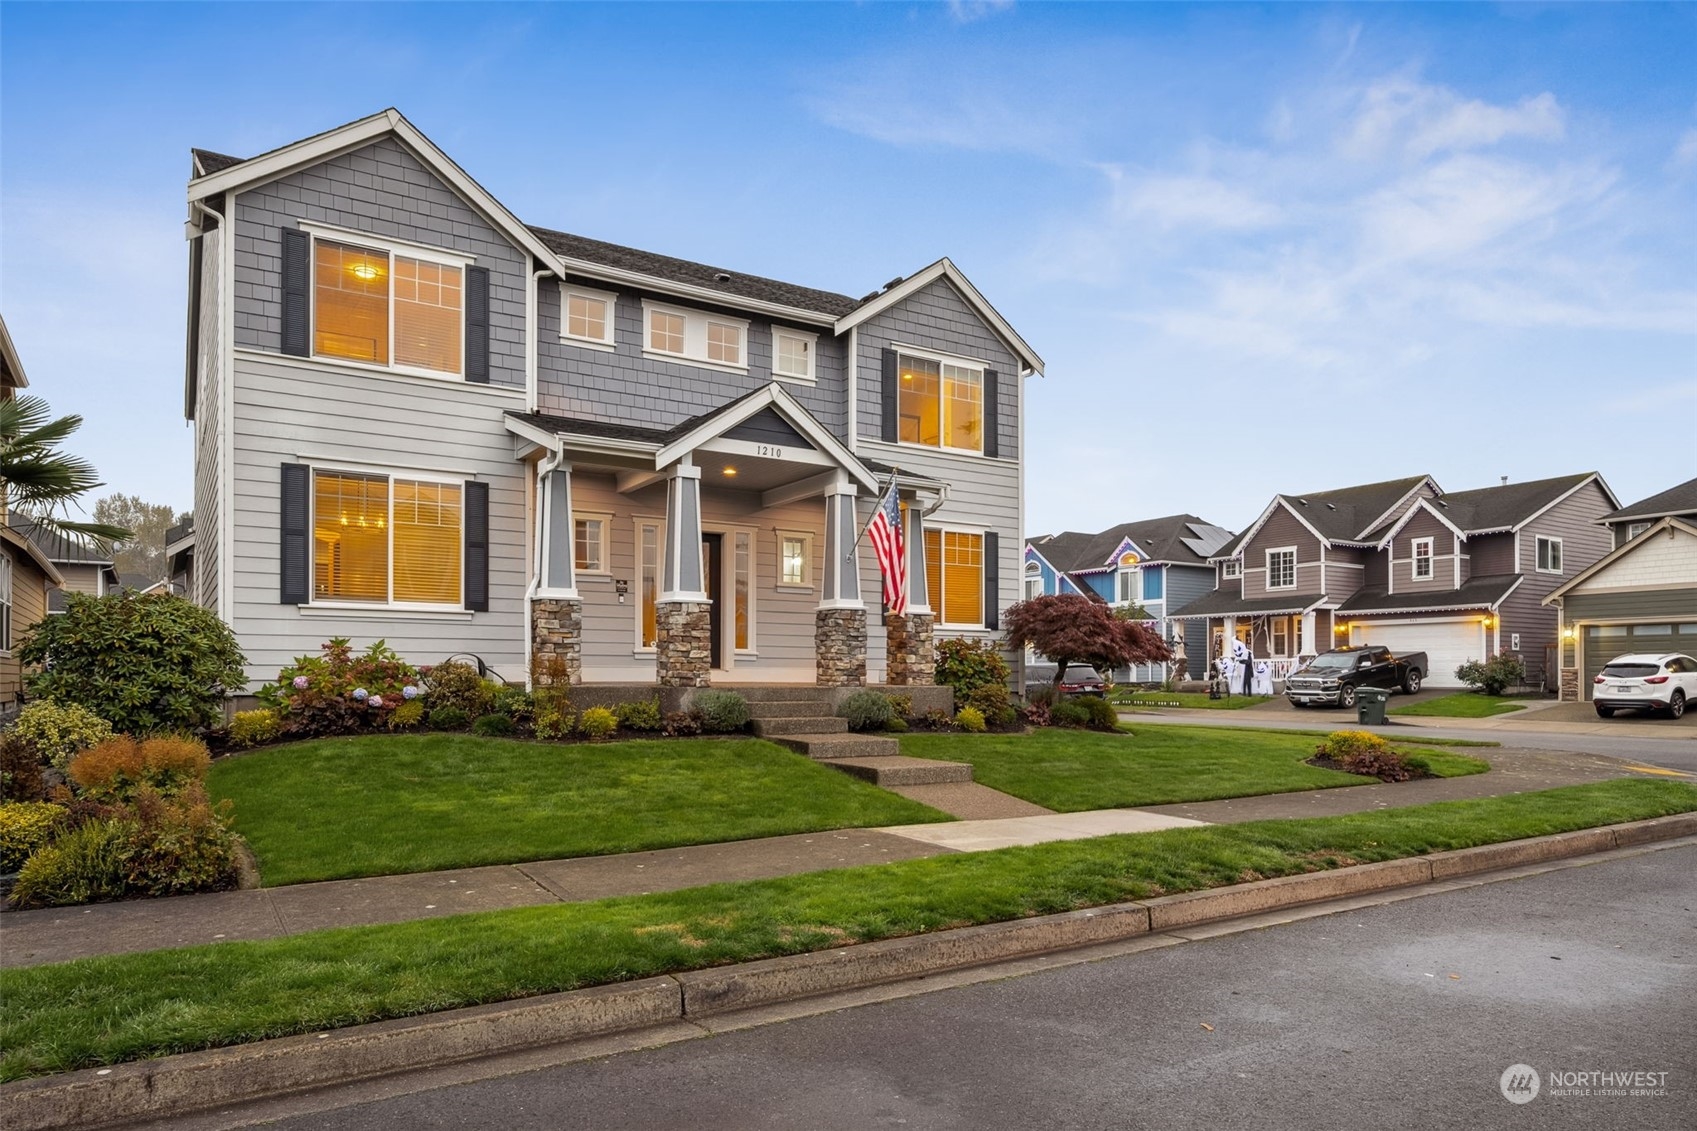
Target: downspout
226	419
853	368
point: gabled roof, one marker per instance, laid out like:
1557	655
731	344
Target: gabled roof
12	374
1422	504
945	269
1183	539
1489	510
56	547
1676	525
1345	515
33	552
1680	499
1485	592
1220	603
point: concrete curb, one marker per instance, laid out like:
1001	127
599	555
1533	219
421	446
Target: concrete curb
177	1085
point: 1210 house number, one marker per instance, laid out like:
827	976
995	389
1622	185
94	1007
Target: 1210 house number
768	450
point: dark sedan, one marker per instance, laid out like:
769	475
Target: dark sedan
1082	679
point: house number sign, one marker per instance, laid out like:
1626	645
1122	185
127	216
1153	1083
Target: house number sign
769	451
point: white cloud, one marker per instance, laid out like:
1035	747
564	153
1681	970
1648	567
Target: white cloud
971	11
1403	115
1187	201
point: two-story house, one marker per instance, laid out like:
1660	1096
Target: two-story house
1459	576
28	580
1641	597
1158	564
419	419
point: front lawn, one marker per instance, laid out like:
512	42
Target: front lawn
1075	770
98	1011
1463	705
1189	700
379	805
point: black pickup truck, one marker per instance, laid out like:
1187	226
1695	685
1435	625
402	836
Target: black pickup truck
1332	677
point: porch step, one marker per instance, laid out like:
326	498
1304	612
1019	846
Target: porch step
822	746
899	769
788	709
789	692
771	728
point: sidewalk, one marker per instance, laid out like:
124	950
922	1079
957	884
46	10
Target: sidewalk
29	938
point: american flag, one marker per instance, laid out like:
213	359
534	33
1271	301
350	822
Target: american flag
888	543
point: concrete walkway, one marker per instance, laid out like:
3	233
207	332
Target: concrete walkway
29	938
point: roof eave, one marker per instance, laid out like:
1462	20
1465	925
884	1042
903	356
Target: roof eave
919	280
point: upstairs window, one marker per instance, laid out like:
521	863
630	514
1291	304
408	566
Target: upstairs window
1549	555
1633	530
666	332
941	403
586	316
385	307
1281	568
1232	568
705	339
792	354
1422	557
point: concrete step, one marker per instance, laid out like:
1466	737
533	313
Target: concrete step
898	769
788	709
771	728
821	746
794	693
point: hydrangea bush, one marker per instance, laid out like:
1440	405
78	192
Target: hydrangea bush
341	690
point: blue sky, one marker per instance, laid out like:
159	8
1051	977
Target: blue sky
1261	248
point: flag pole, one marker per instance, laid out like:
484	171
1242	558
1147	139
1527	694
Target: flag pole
894	472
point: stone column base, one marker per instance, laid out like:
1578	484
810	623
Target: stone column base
556	641
839	635
683	646
912	652
1569	685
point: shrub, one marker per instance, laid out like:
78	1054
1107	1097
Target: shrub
250	728
457	684
20	771
514	702
25	827
1494	675
448	718
408	715
994	703
119	767
896	725
681	724
493	726
179	845
639	714
1038	714
938	720
338	691
58	731
968	664
1341	743
597	723
1069	713
81	865
722	712
865	710
554	720
970	719
1102	713
1042	695
143	662
901	706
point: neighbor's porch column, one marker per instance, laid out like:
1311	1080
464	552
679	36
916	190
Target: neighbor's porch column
556	612
912	649
839	625
682	628
1307	646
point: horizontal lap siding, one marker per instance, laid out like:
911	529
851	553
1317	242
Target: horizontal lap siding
1282	529
381	190
1491	555
29	606
1184	585
285	412
1346	571
1573	520
622	386
81	579
1423	525
208	426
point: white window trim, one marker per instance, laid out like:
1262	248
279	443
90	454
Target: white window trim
695	336
1233	569
1291	550
1634	529
659	524
811	377
942	578
329	605
753	536
607	343
11	610
606	521
806	537
1122	584
944	359
1414	559
391	247
1561	558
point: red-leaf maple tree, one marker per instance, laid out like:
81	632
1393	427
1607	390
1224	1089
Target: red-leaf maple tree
1070	629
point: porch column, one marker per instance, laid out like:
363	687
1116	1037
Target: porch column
1307	646
556	612
912	649
839	628
682	629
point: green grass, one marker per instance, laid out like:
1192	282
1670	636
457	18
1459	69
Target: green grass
1188	699
1074	770
104	1010
387	804
1463	705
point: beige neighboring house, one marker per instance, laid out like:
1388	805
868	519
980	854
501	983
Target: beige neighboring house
27	577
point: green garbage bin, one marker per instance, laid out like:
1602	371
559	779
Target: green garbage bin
1370	705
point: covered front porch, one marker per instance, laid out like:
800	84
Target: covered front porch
721	551
1284	632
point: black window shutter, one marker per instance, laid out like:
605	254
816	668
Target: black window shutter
297	295
294	573
992	581
477	546
477	325
891	393
992	417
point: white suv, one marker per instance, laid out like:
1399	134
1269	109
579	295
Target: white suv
1665	682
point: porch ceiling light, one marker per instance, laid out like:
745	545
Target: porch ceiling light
731	471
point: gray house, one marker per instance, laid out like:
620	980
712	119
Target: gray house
422	420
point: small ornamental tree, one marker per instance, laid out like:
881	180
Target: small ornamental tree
1070	629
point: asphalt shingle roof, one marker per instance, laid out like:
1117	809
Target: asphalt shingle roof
57	548
1498	508
1162	539
1676	500
1475	593
1221	603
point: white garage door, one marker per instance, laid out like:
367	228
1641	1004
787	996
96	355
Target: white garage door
1447	644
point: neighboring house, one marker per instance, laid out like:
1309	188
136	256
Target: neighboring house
27	578
179	557
1159	564
85	567
1641	597
1402	564
421	420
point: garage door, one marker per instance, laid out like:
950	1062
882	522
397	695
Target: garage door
1603	642
1447	644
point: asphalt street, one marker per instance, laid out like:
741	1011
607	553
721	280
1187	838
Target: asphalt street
1404	1015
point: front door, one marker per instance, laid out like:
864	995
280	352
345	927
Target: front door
712	548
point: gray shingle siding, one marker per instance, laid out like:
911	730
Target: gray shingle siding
382	190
